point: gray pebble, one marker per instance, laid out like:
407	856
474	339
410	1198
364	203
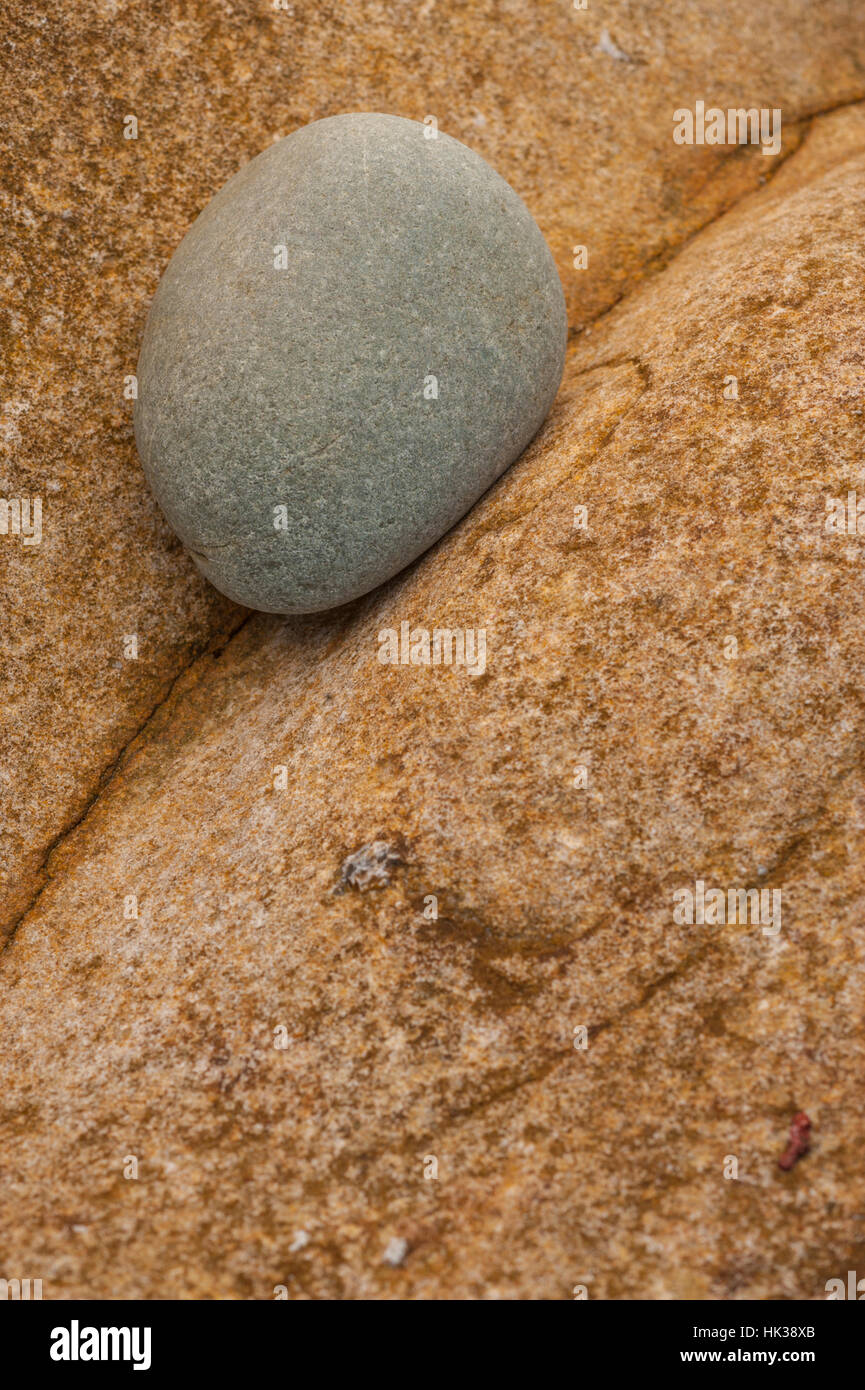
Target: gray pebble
358	335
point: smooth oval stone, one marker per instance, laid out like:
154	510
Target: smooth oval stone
358	335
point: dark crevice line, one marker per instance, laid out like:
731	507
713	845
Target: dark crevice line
663	259
677	972
104	780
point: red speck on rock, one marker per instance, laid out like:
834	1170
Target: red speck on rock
799	1142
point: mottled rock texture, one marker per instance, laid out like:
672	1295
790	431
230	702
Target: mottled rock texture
358	335
90	219
409	1038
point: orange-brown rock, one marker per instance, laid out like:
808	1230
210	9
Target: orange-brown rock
574	108
230	974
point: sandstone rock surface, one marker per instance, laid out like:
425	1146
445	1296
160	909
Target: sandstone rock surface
294	753
90	219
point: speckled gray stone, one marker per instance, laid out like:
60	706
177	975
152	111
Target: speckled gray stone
358	335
